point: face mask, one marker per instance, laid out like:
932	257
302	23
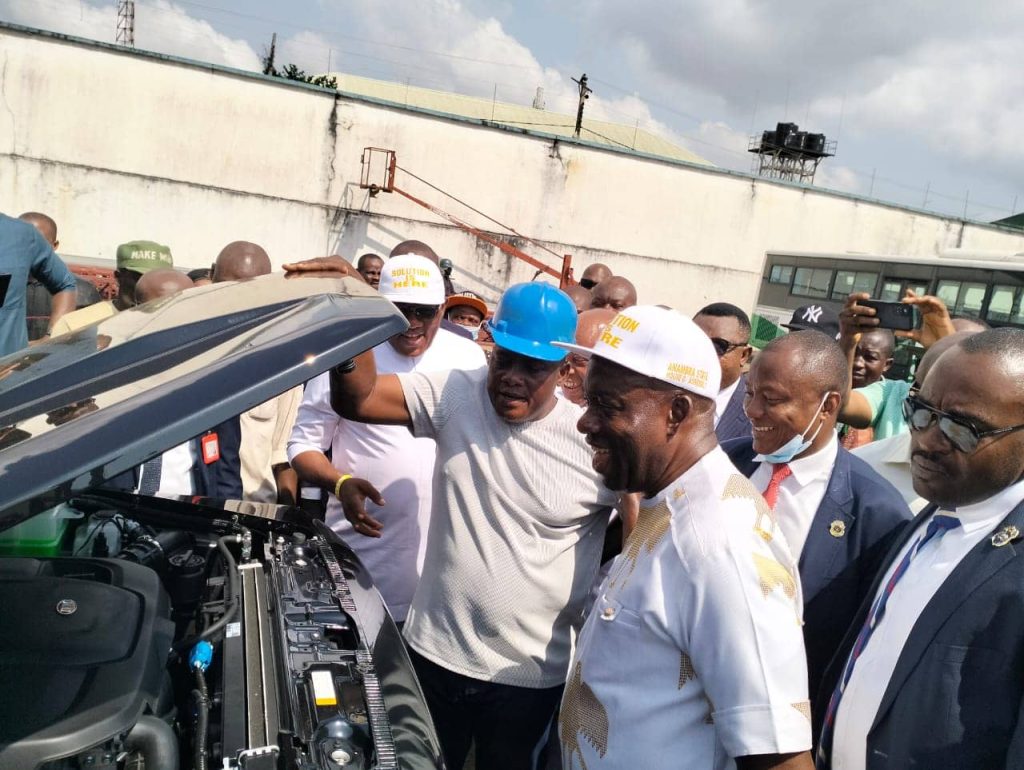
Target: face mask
474	330
796	445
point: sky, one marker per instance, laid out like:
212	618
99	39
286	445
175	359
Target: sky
924	99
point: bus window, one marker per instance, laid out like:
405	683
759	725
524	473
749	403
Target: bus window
972	297
948	291
812	282
1000	307
891	291
848	282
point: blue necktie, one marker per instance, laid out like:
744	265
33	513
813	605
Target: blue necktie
939	524
149	482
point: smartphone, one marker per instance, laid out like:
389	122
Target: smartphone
893	315
5	282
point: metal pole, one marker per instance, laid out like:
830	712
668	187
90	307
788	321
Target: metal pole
585	92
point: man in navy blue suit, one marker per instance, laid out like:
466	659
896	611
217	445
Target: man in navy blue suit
931	674
837	514
729	330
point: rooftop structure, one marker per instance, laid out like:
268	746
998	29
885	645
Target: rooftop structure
531	119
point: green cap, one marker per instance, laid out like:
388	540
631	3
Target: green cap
143	256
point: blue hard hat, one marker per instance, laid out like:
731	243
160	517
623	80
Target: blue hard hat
530	316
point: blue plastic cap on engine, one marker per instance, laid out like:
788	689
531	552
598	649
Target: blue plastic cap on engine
201	656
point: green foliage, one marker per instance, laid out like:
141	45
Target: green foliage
292	72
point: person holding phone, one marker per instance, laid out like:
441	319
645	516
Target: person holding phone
879	405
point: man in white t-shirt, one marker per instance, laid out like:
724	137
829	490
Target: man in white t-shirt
516	530
692	656
398	464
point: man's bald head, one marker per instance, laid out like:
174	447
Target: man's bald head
240	260
580	297
157	284
594	274
934	352
616	292
591	323
968	324
418	248
815	358
44	224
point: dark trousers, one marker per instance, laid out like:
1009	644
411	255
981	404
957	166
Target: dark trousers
507	725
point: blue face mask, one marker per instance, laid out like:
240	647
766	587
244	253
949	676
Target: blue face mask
796	445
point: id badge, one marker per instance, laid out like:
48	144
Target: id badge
211	448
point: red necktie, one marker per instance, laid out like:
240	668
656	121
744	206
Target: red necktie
780	473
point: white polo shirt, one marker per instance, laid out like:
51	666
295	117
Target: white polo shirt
693	653
390	458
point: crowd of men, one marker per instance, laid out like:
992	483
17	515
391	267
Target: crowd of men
617	536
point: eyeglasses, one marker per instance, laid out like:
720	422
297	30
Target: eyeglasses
919	415
420	312
722	347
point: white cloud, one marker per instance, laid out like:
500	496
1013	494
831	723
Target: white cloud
943	76
160	26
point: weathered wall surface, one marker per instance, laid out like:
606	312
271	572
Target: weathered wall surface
118	145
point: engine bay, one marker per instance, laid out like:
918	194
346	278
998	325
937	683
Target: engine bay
219	645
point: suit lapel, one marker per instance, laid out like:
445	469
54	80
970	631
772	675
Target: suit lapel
980	564
822	548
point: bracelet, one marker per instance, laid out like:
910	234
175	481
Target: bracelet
339	482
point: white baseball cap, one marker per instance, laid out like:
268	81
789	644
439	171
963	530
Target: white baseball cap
412	279
659	343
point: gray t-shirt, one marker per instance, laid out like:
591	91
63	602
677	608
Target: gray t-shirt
515	535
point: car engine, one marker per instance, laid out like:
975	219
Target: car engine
167	648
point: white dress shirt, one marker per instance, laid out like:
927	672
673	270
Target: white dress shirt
930	568
890	459
175	471
723	398
801	493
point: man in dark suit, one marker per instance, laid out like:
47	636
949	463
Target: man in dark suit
729	330
837	514
931	674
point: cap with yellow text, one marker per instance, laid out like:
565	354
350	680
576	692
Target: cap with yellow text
659	343
143	256
412	280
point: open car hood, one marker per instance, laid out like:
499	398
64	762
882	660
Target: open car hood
88	405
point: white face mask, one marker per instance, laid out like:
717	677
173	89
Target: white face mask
796	445
474	330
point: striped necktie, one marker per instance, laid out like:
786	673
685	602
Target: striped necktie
939	524
149	479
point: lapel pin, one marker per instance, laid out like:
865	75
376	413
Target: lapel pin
837	528
1004	536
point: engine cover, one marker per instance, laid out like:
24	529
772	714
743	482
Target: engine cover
83	649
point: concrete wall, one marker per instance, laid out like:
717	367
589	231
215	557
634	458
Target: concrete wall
119	145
